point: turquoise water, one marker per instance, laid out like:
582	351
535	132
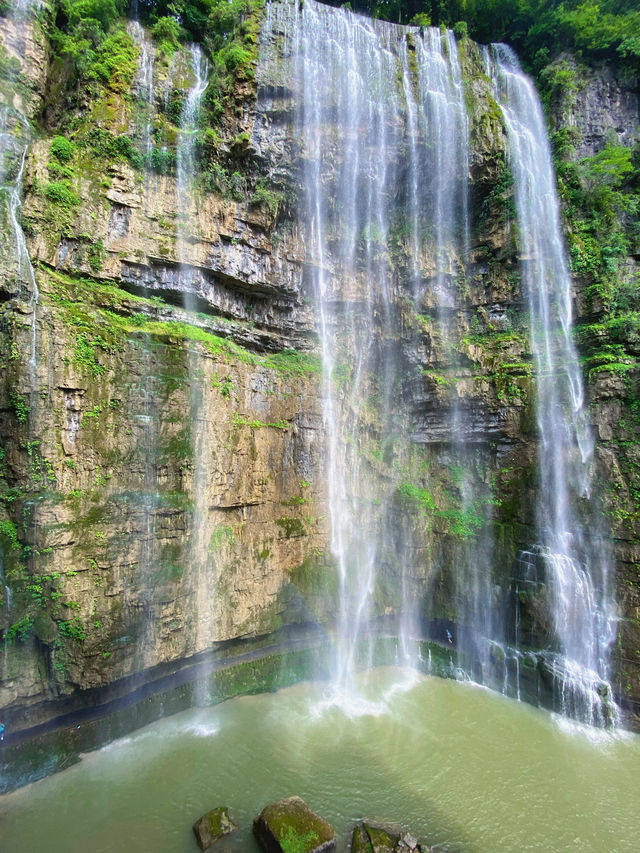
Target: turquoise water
458	765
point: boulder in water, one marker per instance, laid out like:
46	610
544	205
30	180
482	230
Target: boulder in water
213	826
368	838
289	826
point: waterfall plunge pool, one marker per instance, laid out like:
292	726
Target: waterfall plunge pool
458	765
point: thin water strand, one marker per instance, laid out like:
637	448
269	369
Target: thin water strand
187	221
15	137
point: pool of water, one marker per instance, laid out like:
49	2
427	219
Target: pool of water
460	766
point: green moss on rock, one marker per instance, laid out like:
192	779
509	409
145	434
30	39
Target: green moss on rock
360	842
213	826
289	826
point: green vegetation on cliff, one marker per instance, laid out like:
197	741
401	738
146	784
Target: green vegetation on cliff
95	312
601	200
98	115
89	34
601	195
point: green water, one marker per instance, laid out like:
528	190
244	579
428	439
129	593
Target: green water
460	766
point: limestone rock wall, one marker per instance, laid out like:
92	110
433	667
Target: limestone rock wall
162	456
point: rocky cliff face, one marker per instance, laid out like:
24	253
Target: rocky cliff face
162	457
163	453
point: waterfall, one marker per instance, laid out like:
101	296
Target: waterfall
569	556
144	88
185	152
443	211
187	213
14	140
382	128
148	411
346	69
189	73
186	165
7	611
383	138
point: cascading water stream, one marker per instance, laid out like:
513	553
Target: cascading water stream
345	67
15	137
149	415
569	555
185	162
14	141
144	88
445	125
7	611
187	211
442	212
437	136
22	8
185	152
192	62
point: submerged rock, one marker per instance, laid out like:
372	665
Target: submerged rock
368	838
213	826
290	825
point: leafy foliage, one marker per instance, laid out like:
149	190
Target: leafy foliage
167	32
9	532
601	196
418	494
19	406
61	149
114	61
72	629
228	29
59	192
602	203
20	630
85	32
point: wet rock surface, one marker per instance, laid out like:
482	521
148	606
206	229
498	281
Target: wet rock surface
369	838
213	826
290	825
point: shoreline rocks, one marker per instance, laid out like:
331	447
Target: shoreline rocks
290	826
